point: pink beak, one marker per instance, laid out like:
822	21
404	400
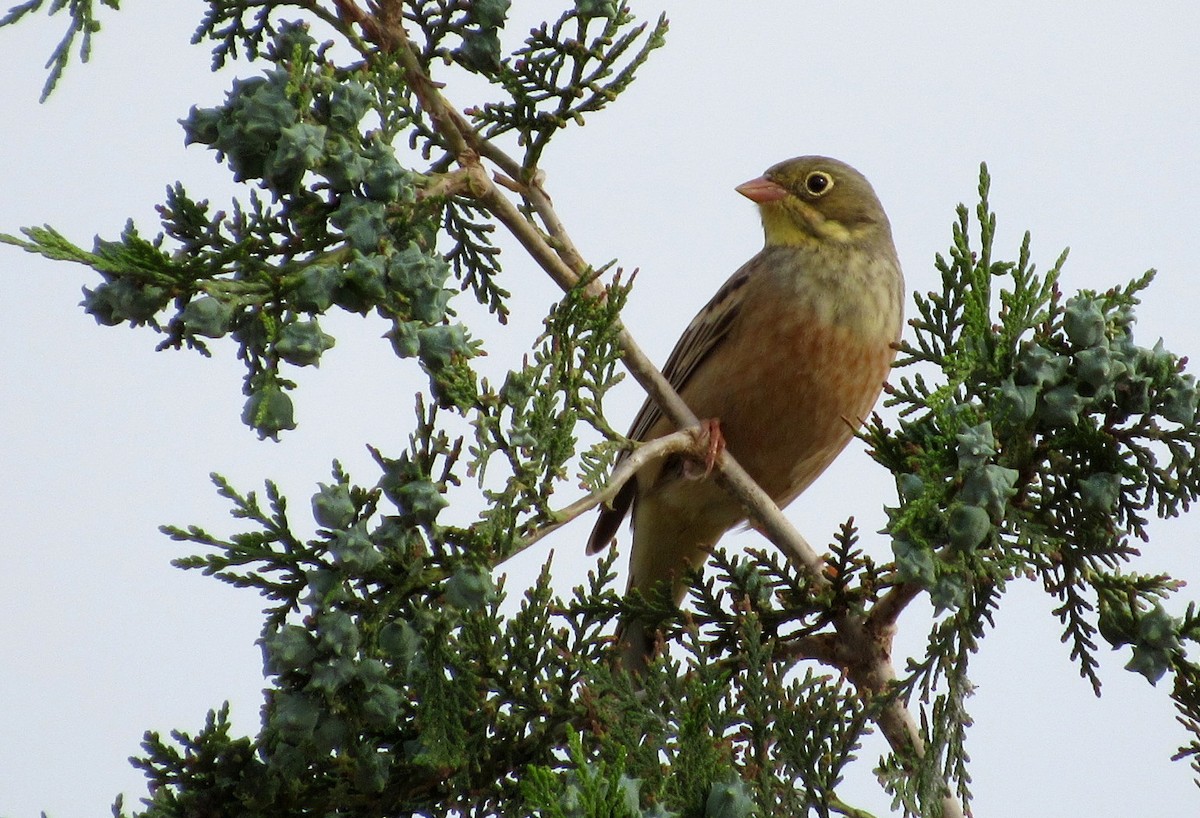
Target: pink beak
761	190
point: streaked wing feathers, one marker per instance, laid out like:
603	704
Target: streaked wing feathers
697	343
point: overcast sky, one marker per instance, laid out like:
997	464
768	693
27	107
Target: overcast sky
1086	113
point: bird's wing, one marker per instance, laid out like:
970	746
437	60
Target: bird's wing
706	332
702	336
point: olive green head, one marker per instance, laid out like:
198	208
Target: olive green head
817	199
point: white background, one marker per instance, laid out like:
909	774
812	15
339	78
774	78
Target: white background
1086	113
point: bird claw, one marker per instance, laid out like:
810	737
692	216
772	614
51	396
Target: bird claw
709	435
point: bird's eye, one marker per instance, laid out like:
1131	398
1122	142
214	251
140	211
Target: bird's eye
818	183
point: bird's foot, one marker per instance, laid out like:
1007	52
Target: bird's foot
713	442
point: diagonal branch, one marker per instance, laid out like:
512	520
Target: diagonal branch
557	255
862	646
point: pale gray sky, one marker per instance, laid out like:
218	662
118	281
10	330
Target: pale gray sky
1086	113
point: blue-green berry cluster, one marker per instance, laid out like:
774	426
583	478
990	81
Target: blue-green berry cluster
343	229
978	496
1094	368
1152	632
119	300
339	679
340	672
480	32
301	117
1069	431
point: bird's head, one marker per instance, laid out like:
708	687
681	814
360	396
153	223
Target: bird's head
814	200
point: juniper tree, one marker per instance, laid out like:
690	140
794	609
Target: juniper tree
1035	438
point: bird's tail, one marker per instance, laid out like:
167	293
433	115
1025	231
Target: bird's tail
637	646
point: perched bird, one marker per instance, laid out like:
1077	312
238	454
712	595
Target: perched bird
788	357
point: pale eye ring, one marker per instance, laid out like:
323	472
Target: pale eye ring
818	183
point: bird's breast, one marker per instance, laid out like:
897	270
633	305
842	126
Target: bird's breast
797	374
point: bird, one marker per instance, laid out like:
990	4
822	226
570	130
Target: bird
787	360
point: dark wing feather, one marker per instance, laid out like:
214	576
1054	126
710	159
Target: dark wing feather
610	519
702	336
698	341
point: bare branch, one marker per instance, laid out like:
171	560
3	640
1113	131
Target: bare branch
887	610
685	441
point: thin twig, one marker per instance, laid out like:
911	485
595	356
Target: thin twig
444	185
685	441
